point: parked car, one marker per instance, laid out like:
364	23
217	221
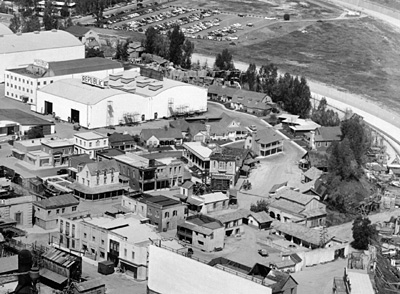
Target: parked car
263	252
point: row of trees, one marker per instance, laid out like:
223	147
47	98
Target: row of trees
174	47
28	20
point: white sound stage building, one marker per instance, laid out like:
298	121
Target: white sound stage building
122	98
19	50
22	83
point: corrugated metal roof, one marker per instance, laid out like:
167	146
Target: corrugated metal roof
22	117
57	201
82	65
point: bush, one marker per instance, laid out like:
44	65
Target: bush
286	16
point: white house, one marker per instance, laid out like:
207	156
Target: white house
89	143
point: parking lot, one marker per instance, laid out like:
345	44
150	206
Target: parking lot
194	23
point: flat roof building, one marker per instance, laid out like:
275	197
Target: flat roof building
22	83
19	50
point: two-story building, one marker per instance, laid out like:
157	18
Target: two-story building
163	212
123	240
98	180
47	211
90	143
76	163
208	202
197	154
290	206
225	165
323	137
265	142
59	150
232	221
202	232
225	128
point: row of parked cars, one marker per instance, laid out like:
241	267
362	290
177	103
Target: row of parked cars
126	15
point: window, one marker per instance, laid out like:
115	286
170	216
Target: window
102	242
93	238
166	214
133	255
74	208
87	174
102	255
73	243
57	211
44	83
105	142
97	181
90	144
84	235
149	212
212	236
63	210
97	143
174	213
200	242
157	213
125	252
88	183
61	226
83	180
105	180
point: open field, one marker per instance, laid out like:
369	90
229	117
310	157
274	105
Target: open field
359	55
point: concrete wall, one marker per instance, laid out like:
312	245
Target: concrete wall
23	205
24	58
136	207
207	244
87	179
48	218
317	256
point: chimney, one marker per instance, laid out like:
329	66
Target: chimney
312	140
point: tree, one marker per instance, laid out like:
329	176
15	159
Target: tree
16	24
176	40
359	137
224	61
342	162
31	24
261	205
268	76
35	132
323	116
149	43
187	51
94	52
65	10
122	51
363	232
49	18
250	79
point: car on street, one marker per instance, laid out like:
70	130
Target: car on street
263	252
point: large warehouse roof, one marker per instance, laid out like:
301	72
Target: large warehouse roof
82	65
37	41
75	90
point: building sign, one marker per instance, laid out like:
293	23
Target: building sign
93	81
41	63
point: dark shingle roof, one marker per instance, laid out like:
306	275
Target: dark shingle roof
77	31
102	165
161	134
118	137
268	135
328	134
222	90
22	117
57	201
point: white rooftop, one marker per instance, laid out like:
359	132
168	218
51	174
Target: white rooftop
90	135
37	41
171	273
214	197
132	229
360	283
58	142
199	149
132	159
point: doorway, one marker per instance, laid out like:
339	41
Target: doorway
74	116
48	107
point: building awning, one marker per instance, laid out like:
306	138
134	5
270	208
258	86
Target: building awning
221	177
18	151
123	178
52	276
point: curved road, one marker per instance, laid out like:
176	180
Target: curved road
382	119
